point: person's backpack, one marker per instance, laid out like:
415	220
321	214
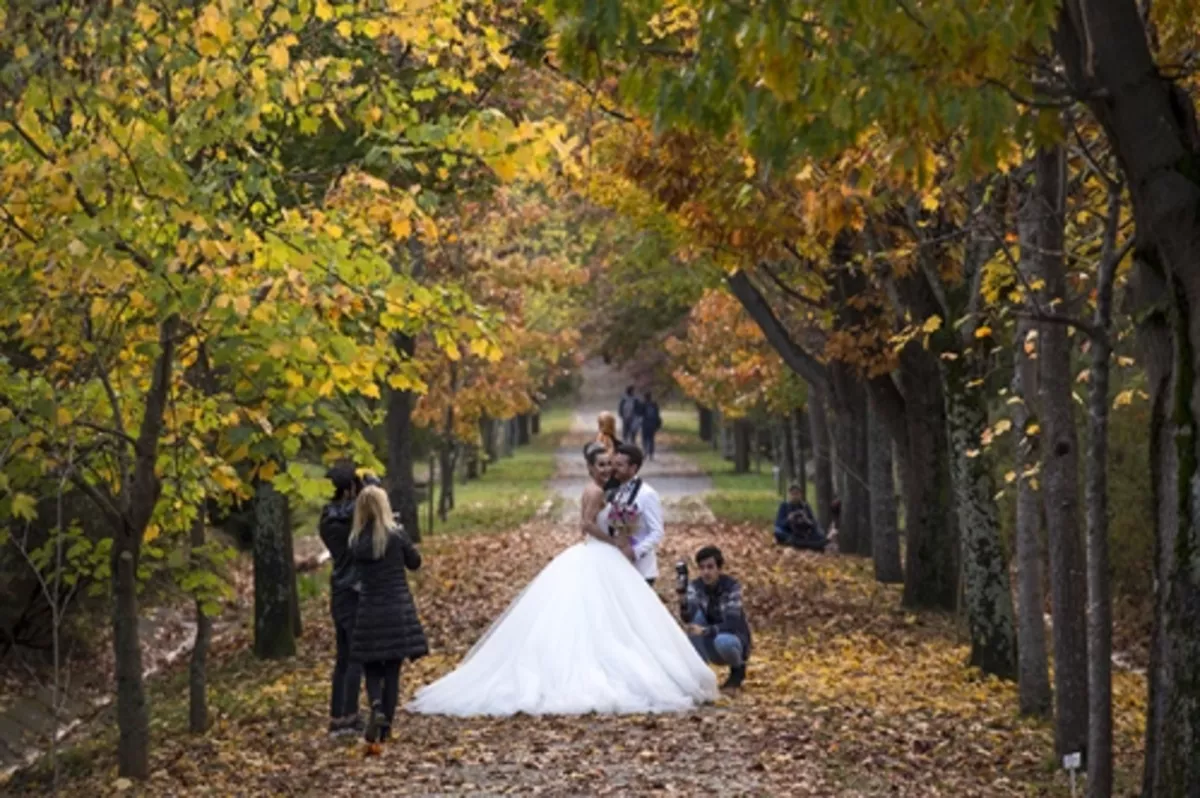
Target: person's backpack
653	420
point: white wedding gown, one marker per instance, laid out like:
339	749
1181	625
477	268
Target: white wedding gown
586	635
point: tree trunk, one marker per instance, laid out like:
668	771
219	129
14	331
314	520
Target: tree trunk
885	545
535	423
1033	673
985	568
1099	588
931	528
705	423
471	471
508	437
523	429
446	478
138	500
487	433
785	452
1151	123
799	429
743	430
718	430
1060	463
401	484
197	668
274	575
822	457
133	716
1156	340
854	535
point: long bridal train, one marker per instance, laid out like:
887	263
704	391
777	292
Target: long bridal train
586	635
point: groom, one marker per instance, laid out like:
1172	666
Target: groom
627	462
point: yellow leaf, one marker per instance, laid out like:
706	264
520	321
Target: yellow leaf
241	304
401	228
24	506
152	532
371	390
932	324
1033	429
345	29
1123	398
324	11
1010	476
278	55
983	332
63	416
267	470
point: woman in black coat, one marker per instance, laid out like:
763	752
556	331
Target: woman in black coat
387	630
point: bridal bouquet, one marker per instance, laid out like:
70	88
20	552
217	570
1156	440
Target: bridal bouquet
623	518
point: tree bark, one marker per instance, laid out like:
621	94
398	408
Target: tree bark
799	429
931	526
705	423
1033	673
854	534
784	451
133	716
822	457
886	537
1099	588
523	429
1151	123
274	575
742	433
987	590
487	433
401	484
1156	342
535	423
1060	463
137	503
198	668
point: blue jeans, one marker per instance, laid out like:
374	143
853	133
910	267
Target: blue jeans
722	649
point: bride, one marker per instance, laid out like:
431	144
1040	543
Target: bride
586	635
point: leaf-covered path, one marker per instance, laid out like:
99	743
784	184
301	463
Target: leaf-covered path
847	695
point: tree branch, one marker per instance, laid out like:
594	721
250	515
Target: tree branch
798	360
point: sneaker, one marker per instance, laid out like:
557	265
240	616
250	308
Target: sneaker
736	677
376	723
341	727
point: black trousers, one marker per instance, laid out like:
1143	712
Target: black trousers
383	685
347	678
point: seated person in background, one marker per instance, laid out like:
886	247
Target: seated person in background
796	524
716	621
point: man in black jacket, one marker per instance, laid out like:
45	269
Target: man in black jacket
716	621
337	517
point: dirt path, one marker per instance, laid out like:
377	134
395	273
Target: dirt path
678	481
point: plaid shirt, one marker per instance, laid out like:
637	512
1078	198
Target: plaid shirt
722	607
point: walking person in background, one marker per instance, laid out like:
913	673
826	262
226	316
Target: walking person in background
651	424
337	519
387	630
630	410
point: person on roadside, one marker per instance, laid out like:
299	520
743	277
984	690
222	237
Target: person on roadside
387	630
337	518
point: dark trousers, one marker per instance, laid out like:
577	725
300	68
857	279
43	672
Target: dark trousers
347	678
383	685
648	444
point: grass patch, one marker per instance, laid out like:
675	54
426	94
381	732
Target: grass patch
513	489
735	498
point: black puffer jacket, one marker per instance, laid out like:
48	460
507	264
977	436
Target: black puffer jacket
336	521
386	626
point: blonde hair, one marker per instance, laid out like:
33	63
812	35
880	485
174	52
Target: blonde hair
372	507
607	437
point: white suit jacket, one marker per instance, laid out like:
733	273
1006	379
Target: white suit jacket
649	532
